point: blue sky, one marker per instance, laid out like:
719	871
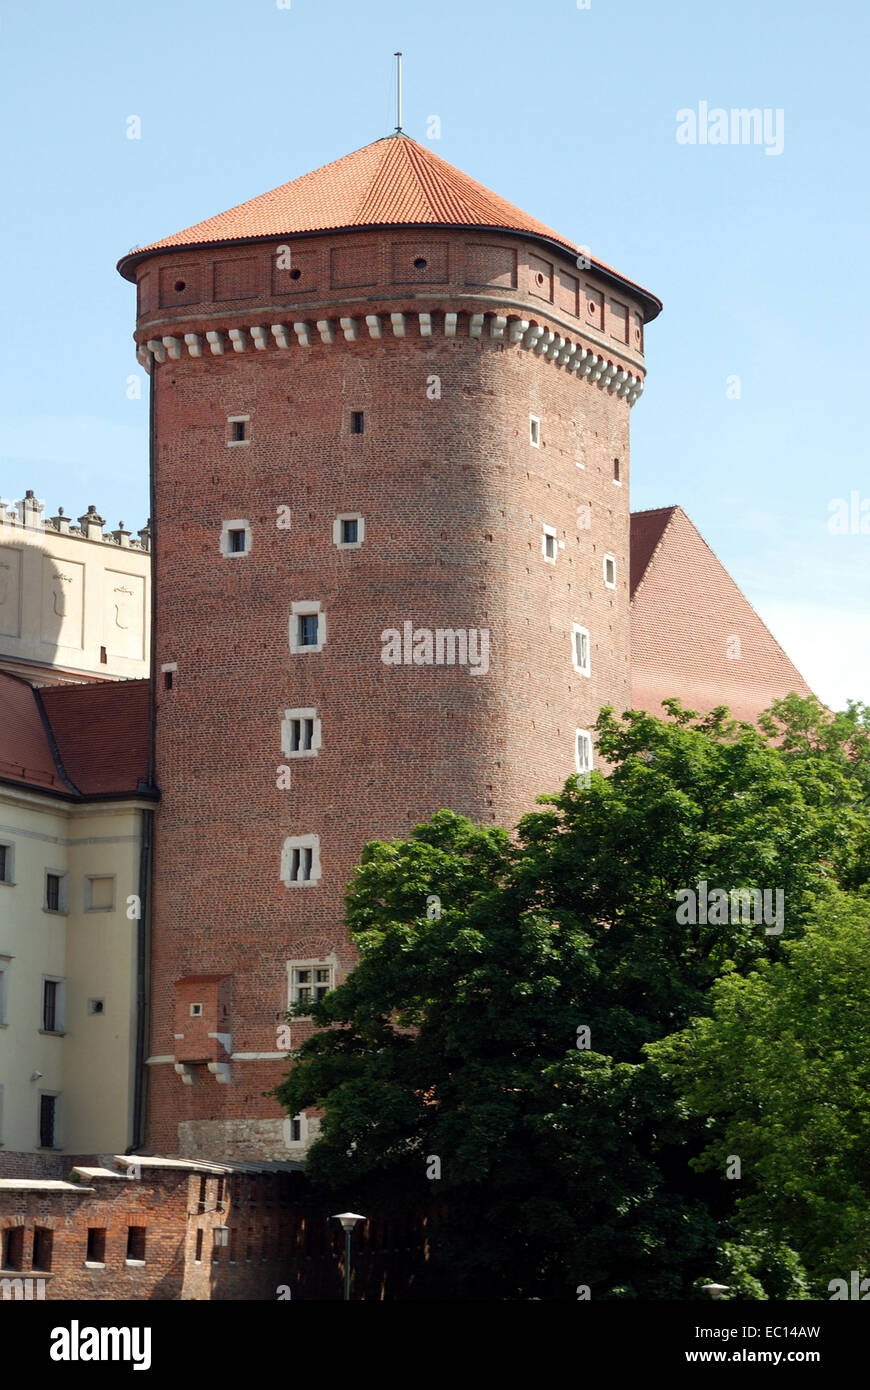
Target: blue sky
572	114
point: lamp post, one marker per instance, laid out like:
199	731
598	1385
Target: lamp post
348	1220
716	1290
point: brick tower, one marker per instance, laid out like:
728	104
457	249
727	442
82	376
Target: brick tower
391	524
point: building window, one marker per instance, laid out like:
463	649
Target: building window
549	545
534	432
616	472
307	628
136	1243
357	422
584	751
4	970
298	861
43	1239
13	1247
300	733
169	674
309	983
236	538
580	639
349	531
609	572
296	1130
203	1194
6	873
55	895
104	657
99	893
196	1010
198	1256
238	429
52	1005
48	1122
96	1006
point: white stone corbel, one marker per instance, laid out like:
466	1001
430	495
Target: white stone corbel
518	327
475	328
281	334
398	322
543	344
260	336
557	347
303	333
154	345
324	328
185	1071
425	321
194	344
450	325
143	357
498	326
373	324
215	342
350	328
238	339
220	1071
173	347
532	335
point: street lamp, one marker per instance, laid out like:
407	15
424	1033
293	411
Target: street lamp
716	1290
348	1220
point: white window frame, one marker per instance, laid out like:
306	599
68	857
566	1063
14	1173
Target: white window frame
535	431
583	736
360	531
9	846
305	608
302	1141
300	842
238	525
609	559
238	420
329	963
89	890
62	905
287	733
549	533
59	1006
577	630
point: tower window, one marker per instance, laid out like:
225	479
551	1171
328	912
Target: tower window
549	545
609	572
307	627
167	679
300	860
196	1011
238	429
534	432
235	537
357	422
616	471
584	751
348	531
300	733
581	650
198	1256
309	983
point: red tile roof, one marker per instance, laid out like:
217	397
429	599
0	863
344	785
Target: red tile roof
686	612
76	740
393	182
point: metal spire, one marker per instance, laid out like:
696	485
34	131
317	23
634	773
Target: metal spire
398	58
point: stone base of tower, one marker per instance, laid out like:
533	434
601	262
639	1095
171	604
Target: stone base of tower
243	1140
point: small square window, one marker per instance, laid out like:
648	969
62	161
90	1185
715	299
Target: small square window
534	432
300	733
309	983
357	422
609	572
237	540
349	530
136	1242
238	431
99	893
300	861
307	627
167	679
196	1011
96	1006
96	1253
549	545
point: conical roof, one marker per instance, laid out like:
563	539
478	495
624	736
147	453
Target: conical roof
392	182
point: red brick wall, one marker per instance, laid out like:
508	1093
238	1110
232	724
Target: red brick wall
454	500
